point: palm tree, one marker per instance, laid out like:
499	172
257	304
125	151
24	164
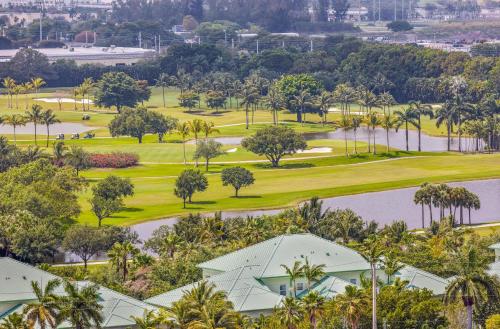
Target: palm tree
368	100
76	92
372	252
373	121
163	81
352	303
15	120
119	255
37	83
248	97
44	310
301	101
149	320
17	89
290	313
324	101
77	158
14	321
355	124
421	110
388	122
313	305
80	306
294	273
49	118
346	125
208	128
85	88
387	100
446	114
183	130
9	84
391	266
312	273
26	88
472	285
59	152
274	101
35	116
406	117
345	95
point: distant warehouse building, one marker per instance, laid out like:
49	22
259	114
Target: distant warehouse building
89	55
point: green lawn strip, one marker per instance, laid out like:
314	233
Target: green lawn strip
277	188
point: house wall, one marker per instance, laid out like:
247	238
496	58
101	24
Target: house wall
351	276
274	284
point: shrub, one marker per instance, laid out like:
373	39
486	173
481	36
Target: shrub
398	26
50	44
114	160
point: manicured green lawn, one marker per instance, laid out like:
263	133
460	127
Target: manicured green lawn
296	181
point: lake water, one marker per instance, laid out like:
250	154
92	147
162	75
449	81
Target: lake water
397	139
55	129
383	207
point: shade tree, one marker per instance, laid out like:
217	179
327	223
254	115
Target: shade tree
237	177
189	182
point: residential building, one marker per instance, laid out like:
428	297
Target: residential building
16	291
494	268
255	280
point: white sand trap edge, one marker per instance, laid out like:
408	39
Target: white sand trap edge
64	100
316	150
232	150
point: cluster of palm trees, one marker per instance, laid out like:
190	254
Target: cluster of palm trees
84	90
445	197
195	128
35	115
14	89
77	306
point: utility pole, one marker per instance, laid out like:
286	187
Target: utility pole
395	10
257	46
159	43
379	8
312	46
140	39
402	10
232	43
155	44
225	38
41	14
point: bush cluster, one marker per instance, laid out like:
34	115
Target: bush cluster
114	160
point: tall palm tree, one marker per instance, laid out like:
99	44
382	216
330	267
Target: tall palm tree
184	131
314	305
14	120
248	96
44	310
163	81
35	116
386	101
345	95
85	89
9	84
26	88
355	124
373	121
17	89
312	272
391	266
301	101
77	158
324	101
446	114
37	83
352	303
48	119
388	122
421	110
208	128
472	284
368	100
119	255
80	306
406	117
295	272
275	102
196	127
290	313
59	152
346	125
76	92
372	252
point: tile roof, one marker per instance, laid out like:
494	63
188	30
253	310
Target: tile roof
242	289
15	286
269	255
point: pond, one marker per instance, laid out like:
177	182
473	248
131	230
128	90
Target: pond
383	207
57	128
397	139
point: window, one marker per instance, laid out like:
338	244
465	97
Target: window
353	281
283	289
300	286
